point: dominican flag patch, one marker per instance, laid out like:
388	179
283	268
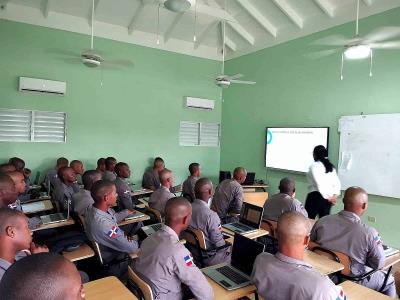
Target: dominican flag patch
377	240
341	295
113	232
188	260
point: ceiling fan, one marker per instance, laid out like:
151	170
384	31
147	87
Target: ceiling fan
358	47
92	58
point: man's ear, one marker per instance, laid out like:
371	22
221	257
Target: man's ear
364	206
10	231
306	240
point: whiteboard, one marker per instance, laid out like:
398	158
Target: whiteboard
369	153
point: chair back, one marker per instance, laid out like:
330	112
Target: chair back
270	226
144	287
257	199
195	237
155	213
333	255
95	245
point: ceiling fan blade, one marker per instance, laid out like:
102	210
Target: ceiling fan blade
125	63
323	53
334	40
382	34
236	76
243	82
386	45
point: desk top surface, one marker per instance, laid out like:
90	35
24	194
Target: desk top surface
55	225
108	288
131	221
322	264
253	235
392	260
222	294
141	192
356	291
84	251
38	206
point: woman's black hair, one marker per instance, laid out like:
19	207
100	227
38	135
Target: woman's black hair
321	154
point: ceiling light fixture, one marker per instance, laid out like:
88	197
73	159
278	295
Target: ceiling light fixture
178	5
357	52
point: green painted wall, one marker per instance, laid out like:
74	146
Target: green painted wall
292	90
134	116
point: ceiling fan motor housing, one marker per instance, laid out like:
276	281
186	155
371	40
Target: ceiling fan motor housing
178	5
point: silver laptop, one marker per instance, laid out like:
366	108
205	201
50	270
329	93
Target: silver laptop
54	218
389	251
237	274
249	220
135	215
151	229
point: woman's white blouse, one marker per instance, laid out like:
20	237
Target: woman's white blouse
328	184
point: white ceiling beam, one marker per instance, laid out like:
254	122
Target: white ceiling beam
46	8
214	12
171	27
135	17
259	17
96	4
204	34
235	25
326	7
368	2
230	44
290	12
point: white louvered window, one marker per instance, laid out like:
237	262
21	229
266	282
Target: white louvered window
17	125
199	134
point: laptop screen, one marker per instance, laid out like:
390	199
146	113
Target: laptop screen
244	253
249	178
251	215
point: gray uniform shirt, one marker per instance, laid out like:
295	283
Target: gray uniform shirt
102	227
280	203
52	178
280	277
165	263
110	176
344	232
124	194
159	198
4	265
228	198
63	192
151	179
82	200
188	186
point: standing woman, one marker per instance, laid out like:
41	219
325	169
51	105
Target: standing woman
324	185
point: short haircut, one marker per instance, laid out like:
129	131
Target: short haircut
6	181
292	227
238	171
193	167
201	186
18	163
38	277
89	177
175	209
287	185
75	162
110	161
4	168
8	216
61	171
158	160
62	161
119	166
101	161
165	174
100	189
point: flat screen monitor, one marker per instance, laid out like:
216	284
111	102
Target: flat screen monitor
291	148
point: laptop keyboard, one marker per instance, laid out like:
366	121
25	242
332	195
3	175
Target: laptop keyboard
232	275
156	227
242	227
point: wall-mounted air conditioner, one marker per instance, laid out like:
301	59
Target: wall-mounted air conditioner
42	86
192	102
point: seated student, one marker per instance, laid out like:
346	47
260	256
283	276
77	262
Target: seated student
102	225
18	163
283	202
109	173
101	165
165	263
208	222
78	168
151	178
6	168
82	200
15	236
51	180
160	197
8	192
67	187
43	276
123	189
228	196
344	232
286	275
188	184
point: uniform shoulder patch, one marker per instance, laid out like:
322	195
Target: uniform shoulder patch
377	240
112	233
188	260
341	295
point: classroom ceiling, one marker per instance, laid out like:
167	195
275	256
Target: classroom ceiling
251	24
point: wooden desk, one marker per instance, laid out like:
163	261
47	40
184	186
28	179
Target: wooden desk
356	291
141	192
131	221
42	198
55	225
322	264
257	199
108	288
254	187
391	261
253	235
84	251
222	294
144	202
35	207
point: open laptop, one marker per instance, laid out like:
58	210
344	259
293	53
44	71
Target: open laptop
389	251
57	217
237	274
249	220
270	243
135	215
151	229
249	178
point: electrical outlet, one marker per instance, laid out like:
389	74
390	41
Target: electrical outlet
371	219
